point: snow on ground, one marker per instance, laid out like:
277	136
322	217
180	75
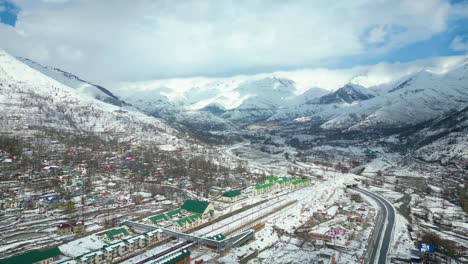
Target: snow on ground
282	249
81	246
148	254
93	227
402	243
167	147
401	239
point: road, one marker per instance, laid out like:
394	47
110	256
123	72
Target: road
384	238
268	168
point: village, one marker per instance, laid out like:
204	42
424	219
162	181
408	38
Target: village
78	211
47	200
133	204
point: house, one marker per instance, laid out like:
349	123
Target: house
11	203
64	229
182	224
108	253
78	227
157	218
140	241
92	257
196	219
263	188
66	206
70	228
300	183
116	233
354	218
114	251
231	195
36	257
198	207
131	244
339	235
152	236
173	213
51	201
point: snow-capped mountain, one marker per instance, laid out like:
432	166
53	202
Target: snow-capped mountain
31	102
349	93
424	93
70	80
410	101
383	96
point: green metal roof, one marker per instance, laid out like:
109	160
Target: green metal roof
263	186
158	218
272	179
195	217
32	256
115	232
195	206
182	221
232	193
173	213
300	181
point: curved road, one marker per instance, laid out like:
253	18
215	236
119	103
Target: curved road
384	238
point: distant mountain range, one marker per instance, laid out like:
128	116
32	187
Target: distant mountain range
425	107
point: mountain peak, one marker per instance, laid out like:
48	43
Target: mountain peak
347	94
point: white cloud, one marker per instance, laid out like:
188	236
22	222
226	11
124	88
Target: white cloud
377	35
459	43
134	40
2	8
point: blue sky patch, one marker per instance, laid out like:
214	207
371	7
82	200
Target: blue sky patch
8	13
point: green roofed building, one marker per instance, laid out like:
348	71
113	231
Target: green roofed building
231	194
264	186
300	183
197	207
160	217
285	180
117	233
173	213
183	224
272	179
35	256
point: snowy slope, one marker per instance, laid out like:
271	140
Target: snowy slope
444	140
413	100
31	101
70	80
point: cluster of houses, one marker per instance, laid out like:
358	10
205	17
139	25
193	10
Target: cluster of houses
112	252
43	202
118	246
69	228
190	215
281	183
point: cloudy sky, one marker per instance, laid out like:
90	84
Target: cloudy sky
123	40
